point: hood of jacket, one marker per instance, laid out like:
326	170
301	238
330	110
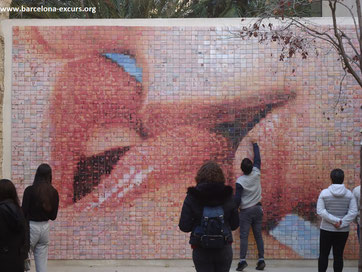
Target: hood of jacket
211	194
337	190
15	220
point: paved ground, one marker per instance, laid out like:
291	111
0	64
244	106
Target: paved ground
181	266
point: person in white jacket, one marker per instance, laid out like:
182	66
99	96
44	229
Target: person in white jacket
357	197
337	208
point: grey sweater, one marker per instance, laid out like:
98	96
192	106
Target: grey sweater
336	203
248	187
251	193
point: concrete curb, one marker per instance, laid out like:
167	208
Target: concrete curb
186	263
180	266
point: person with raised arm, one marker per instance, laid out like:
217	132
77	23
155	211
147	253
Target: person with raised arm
248	198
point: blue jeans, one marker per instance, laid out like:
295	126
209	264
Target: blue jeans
253	217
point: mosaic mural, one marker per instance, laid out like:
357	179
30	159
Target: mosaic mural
126	116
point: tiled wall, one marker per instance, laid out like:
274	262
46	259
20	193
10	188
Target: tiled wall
125	115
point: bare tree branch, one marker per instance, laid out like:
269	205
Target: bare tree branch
352	16
340	88
341	49
359	16
289	14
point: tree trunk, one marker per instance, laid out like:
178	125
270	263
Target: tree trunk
359	20
360	207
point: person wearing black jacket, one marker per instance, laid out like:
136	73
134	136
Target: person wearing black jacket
40	204
14	241
209	191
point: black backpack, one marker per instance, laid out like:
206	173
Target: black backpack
212	231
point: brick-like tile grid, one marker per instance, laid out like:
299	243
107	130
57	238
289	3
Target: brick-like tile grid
126	116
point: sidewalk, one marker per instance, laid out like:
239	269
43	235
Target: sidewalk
181	266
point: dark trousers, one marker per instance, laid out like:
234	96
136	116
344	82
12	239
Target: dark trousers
328	240
253	217
358	233
212	260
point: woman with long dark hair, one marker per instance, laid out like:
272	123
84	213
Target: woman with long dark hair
40	204
211	192
14	243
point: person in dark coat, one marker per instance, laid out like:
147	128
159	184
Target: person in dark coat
40	204
14	241
209	191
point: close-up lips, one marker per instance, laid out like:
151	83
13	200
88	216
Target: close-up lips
120	142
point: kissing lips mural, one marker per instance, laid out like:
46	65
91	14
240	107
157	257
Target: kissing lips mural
134	111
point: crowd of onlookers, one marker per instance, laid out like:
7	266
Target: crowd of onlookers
211	211
336	205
